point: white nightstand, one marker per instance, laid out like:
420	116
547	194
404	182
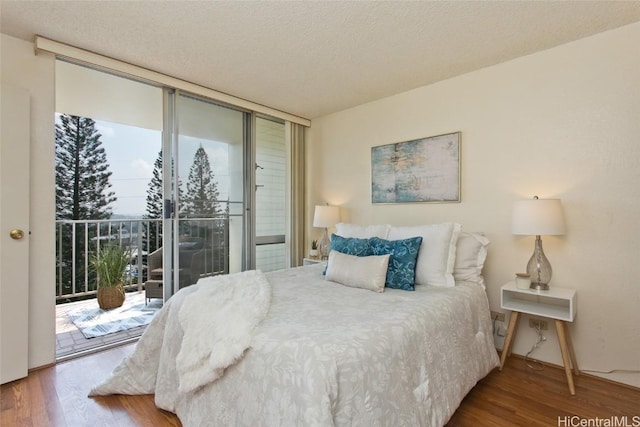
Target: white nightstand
556	303
311	261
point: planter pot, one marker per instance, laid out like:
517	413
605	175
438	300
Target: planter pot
313	253
111	297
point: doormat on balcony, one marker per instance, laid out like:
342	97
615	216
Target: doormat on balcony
96	322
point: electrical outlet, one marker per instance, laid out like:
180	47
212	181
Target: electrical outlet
499	329
497	316
537	323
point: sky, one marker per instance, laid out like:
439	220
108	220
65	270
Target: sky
131	153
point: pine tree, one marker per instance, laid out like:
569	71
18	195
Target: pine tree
201	199
154	190
82	171
82	190
153	229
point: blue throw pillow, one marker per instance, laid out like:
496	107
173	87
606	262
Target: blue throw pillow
350	245
401	272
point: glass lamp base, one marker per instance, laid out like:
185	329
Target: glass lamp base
539	286
539	268
324	245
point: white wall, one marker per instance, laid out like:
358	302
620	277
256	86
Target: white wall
561	123
20	67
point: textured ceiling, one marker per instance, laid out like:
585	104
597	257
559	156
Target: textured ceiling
313	58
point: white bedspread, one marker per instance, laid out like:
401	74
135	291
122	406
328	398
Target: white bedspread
216	320
327	355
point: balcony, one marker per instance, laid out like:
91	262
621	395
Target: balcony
70	340
76	282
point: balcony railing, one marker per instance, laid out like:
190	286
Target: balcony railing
78	240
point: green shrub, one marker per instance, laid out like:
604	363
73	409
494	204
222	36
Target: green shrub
110	263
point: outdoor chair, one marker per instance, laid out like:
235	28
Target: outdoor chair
190	268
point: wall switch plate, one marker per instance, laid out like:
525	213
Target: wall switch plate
541	324
497	316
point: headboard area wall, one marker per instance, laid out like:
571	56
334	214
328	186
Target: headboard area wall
562	123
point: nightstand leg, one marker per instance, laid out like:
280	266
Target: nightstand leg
572	353
562	339
506	348
513	335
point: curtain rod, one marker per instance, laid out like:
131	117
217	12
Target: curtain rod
62	50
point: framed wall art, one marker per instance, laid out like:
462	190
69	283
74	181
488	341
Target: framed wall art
423	170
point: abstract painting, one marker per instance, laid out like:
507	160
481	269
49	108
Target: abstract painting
418	171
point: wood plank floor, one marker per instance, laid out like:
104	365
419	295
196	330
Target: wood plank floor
517	396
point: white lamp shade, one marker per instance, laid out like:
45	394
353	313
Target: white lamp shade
326	216
537	217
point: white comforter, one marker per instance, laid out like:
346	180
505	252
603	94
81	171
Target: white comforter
327	355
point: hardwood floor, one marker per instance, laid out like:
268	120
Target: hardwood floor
520	396
517	396
57	396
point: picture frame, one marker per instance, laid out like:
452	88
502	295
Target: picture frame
425	170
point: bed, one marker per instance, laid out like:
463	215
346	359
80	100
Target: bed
325	354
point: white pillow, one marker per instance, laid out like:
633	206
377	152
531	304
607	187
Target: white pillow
471	252
362	231
366	272
437	253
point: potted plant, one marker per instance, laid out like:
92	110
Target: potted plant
314	249
110	263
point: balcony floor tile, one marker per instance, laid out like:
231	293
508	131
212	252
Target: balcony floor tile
69	339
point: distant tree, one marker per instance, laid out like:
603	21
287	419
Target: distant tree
154	190
82	171
155	204
82	190
201	198
153	229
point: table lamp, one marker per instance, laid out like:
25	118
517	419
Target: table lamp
537	217
325	217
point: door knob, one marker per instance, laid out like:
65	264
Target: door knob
16	234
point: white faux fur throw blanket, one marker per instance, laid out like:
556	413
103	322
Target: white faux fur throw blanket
215	320
218	322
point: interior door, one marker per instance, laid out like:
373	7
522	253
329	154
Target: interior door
14	234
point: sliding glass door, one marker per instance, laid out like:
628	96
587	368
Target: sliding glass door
210	193
205	213
190	188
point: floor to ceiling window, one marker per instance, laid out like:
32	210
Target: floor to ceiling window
108	139
210	174
272	154
174	184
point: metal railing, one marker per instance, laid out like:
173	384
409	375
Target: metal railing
78	240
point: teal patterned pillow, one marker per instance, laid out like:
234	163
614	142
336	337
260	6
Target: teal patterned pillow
401	272
350	245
